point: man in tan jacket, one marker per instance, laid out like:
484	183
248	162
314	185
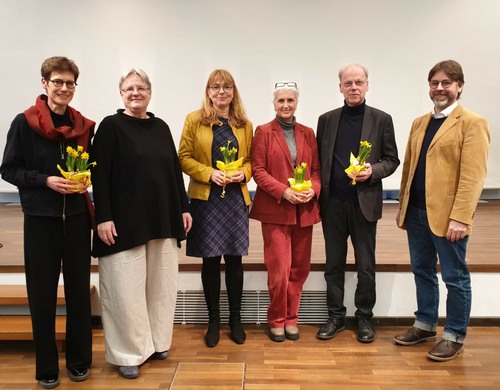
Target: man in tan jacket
443	175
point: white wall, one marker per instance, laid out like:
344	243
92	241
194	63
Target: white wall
179	43
395	291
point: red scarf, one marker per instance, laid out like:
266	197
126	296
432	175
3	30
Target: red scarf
40	120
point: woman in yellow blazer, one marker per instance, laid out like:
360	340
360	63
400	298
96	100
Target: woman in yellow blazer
219	200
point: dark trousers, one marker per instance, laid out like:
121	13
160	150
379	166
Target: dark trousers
48	242
342	220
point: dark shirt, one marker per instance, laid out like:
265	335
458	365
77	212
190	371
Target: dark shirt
417	190
347	141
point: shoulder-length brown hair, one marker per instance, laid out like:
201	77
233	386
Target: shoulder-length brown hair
208	114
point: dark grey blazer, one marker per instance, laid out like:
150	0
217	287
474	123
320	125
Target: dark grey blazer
379	131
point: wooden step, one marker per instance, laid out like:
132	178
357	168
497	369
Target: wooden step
17	295
19	328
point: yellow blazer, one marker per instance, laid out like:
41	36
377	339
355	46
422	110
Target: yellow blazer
195	155
456	168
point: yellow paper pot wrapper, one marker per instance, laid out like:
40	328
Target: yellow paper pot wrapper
230	167
304	186
354	168
82	178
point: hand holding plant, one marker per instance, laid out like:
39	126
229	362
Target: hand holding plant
298	182
358	164
230	165
78	167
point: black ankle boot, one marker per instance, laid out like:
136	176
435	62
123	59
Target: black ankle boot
237	332
212	337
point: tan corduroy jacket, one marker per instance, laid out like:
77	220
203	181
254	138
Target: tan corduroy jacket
456	164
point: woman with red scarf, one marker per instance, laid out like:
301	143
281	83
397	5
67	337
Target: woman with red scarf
57	219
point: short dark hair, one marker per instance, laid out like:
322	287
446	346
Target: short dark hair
59	64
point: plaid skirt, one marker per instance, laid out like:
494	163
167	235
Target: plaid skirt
220	225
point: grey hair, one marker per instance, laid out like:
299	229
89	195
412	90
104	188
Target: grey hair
286	88
138	72
345	67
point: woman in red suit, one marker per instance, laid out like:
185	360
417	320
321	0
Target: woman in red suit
287	216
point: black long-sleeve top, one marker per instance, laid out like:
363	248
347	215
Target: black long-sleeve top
29	159
137	182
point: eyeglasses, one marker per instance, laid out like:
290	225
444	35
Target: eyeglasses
444	83
59	83
225	88
130	90
357	83
290	84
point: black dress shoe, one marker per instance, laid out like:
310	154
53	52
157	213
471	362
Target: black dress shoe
366	334
330	328
49	382
78	374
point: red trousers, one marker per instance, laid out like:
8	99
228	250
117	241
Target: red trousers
287	256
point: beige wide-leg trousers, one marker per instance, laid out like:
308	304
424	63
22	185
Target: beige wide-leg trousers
138	289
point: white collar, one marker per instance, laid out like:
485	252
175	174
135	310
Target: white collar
444	114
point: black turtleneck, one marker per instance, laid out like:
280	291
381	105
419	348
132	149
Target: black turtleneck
347	141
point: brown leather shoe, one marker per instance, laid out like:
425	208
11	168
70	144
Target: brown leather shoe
445	350
414	336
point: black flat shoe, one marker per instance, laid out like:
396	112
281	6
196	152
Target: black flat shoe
78	374
49	383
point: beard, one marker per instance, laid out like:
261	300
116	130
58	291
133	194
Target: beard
441	103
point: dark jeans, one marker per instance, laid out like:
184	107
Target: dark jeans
47	244
425	247
342	220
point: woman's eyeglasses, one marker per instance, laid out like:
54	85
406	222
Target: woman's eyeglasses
290	84
59	83
225	88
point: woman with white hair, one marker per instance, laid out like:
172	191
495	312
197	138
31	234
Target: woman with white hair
280	147
142	216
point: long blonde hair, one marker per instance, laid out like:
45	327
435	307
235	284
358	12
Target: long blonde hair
208	114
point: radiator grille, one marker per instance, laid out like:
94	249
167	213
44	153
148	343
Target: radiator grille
191	307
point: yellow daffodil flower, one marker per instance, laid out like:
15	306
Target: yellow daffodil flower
357	164
77	167
298	182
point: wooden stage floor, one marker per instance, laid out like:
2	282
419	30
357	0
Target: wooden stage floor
305	364
392	248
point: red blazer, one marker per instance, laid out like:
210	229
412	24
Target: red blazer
272	166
